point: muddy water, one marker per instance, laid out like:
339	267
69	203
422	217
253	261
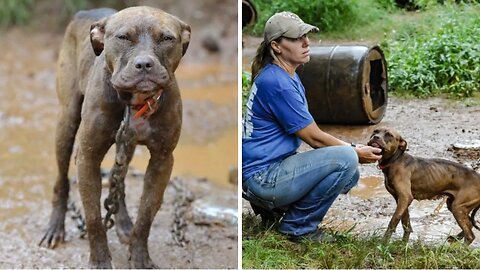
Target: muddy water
28	113
29	108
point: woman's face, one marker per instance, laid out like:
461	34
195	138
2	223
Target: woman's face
295	51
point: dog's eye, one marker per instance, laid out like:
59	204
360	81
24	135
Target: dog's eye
167	38
123	37
388	134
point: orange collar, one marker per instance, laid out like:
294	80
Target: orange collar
148	106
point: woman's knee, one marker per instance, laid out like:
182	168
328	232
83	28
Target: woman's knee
348	156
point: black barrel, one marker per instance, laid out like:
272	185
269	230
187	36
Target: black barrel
249	13
346	84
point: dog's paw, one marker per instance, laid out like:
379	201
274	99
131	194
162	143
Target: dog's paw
142	261
54	236
107	264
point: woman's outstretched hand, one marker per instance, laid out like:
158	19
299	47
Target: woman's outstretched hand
368	154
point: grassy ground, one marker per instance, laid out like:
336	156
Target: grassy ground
266	248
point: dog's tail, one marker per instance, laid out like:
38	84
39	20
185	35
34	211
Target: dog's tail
472	217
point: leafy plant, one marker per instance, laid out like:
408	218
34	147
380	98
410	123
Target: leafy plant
440	57
246	83
15	12
328	15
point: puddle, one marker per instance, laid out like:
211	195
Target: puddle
369	187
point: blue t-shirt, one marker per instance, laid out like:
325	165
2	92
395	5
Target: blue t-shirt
276	109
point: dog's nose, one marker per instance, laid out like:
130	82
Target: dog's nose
144	62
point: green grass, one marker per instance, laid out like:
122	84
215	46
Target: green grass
266	248
437	53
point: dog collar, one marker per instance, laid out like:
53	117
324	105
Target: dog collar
381	167
148	106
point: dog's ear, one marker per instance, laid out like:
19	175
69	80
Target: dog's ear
185	35
97	36
402	145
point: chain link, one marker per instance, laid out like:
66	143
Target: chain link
125	145
181	204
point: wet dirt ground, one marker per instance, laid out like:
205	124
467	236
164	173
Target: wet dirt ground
199	194
431	128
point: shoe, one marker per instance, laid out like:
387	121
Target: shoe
316	236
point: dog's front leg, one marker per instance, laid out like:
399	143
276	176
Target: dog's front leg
402	206
407	227
93	144
156	180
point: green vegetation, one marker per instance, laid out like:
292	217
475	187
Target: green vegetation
437	55
329	15
246	83
265	248
432	51
21	12
15	12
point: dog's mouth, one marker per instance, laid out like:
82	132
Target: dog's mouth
144	84
376	144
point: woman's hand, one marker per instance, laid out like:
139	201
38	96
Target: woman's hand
368	154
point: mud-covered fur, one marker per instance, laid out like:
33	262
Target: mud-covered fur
408	178
109	60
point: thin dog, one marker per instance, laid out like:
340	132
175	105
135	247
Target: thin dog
108	61
408	178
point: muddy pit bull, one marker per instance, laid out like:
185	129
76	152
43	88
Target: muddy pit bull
110	60
408	178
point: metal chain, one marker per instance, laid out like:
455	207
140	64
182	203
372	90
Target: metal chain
77	217
125	145
181	205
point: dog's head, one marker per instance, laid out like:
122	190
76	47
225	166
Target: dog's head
142	47
389	141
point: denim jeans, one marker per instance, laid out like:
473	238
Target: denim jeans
306	184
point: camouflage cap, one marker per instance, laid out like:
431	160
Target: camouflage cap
286	24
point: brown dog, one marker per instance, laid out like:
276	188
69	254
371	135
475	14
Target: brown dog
110	60
408	178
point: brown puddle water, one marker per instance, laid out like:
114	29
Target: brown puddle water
29	109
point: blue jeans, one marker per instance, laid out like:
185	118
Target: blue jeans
306	184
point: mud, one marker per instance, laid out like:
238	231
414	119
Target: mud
206	154
431	127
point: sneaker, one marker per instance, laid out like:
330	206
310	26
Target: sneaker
316	236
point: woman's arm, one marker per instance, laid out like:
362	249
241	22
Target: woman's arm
316	138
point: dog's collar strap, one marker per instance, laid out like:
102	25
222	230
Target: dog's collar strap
384	166
386	163
149	105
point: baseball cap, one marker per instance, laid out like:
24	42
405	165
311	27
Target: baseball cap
286	24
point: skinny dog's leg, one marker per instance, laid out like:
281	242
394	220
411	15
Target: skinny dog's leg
461	216
407	227
403	203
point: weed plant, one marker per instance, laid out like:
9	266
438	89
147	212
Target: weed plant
437	55
15	12
328	15
266	248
